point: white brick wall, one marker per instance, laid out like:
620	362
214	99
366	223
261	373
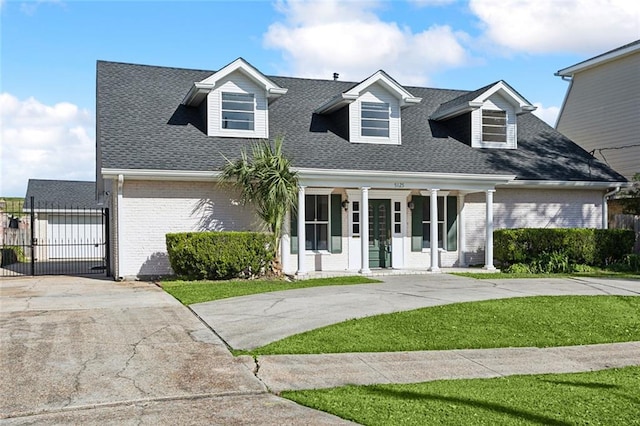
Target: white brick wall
529	208
151	209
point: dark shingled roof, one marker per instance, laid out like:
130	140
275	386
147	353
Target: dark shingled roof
141	124
61	194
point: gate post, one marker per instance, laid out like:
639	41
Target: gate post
33	250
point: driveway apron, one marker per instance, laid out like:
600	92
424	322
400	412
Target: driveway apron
79	350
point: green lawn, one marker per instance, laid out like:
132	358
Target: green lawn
529	321
502	275
607	397
189	292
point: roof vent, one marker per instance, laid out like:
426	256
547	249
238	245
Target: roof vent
335	76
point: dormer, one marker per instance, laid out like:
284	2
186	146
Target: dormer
492	112
235	100
374	107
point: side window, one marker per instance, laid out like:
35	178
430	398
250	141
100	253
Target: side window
374	119
428	222
238	111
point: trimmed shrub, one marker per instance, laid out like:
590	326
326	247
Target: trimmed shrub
559	248
518	268
219	255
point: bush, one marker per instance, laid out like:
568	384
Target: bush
219	255
630	263
518	268
559	248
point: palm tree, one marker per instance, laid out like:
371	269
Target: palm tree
267	181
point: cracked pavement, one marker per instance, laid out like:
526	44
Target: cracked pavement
80	350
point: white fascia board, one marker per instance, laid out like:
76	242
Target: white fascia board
399	180
336	103
457	110
563	184
598	60
511	95
150	174
197	93
251	72
384	80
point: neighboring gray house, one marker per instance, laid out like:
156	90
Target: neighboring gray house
68	221
601	110
386	171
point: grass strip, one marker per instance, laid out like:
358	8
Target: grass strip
607	397
540	321
503	275
189	292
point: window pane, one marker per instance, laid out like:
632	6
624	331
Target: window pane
494	138
237	116
237	111
375	124
309	208
426	235
494	130
426	210
356	228
375	106
440	234
398	228
381	115
375	132
396	217
322	207
356	206
237	106
440	208
242	125
241	97
356	217
396	206
310	236
322	237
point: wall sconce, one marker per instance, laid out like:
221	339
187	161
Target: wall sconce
345	205
411	205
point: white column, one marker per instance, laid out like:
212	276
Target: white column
285	244
488	248
301	231
605	213
462	236
119	239
364	230
435	267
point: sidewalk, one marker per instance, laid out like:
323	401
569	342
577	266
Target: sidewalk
297	372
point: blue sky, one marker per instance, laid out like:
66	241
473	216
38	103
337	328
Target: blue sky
50	48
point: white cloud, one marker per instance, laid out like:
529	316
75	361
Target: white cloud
319	38
42	141
547	114
547	26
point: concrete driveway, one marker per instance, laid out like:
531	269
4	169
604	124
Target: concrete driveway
252	321
92	351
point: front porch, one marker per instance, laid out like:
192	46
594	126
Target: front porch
390	272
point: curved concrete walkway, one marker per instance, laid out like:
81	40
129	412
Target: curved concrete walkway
252	321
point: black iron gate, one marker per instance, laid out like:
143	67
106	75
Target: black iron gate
45	239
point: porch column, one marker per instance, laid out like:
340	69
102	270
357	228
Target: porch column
462	236
364	230
435	267
301	231
488	248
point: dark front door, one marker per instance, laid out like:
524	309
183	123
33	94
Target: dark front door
379	233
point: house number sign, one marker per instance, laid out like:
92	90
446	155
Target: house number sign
399	184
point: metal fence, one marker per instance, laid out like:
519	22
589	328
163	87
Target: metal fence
46	239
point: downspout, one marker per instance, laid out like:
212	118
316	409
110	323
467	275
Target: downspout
605	208
119	229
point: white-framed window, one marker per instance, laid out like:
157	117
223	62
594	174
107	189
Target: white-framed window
397	217
374	119
428	222
316	220
494	126
238	111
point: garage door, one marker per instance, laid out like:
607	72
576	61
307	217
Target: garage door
74	237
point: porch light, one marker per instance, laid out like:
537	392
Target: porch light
345	205
411	205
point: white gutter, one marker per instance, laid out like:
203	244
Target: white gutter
154	174
559	184
605	207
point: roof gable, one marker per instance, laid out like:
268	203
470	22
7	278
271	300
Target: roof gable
611	55
380	78
201	89
474	100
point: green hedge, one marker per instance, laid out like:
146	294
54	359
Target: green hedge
595	247
219	255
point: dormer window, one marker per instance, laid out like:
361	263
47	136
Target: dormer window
375	119
238	111
494	126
